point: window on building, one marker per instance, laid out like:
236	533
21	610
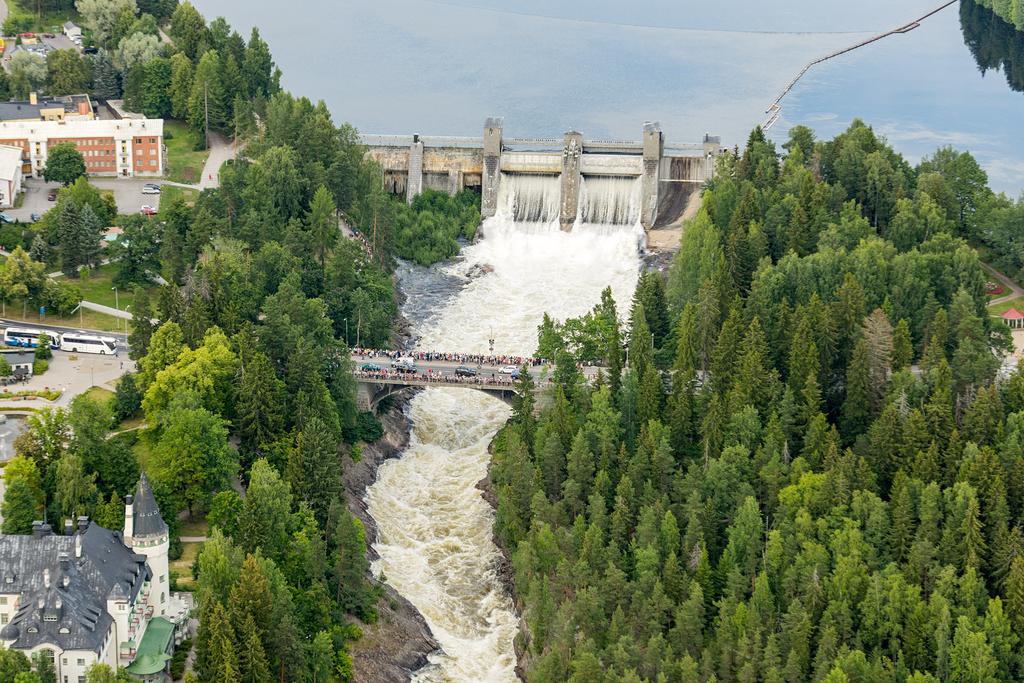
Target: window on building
3	619
3	601
81	662
163	598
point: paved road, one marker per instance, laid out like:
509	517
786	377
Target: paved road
221	150
119	336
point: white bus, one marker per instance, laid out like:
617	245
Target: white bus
79	342
27	337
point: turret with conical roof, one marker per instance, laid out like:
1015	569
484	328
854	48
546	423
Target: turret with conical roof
146	533
146	521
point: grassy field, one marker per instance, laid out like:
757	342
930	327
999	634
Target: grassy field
82	319
99	394
49	20
182	567
170	193
999	309
184	163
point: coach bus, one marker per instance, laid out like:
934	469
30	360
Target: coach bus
27	337
79	342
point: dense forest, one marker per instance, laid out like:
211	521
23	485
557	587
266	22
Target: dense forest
1010	11
807	470
994	43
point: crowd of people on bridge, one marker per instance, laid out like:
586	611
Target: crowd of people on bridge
436	356
431	377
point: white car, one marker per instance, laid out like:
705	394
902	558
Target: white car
508	370
150	189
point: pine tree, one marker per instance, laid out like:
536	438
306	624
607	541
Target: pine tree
353	593
251	599
142	324
314	468
106	82
260	405
856	414
1014	593
902	345
252	659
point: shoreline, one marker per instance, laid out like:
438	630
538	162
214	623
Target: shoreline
399	643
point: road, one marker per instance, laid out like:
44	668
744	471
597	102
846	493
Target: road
221	150
1015	289
119	336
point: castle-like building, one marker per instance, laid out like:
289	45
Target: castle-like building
94	595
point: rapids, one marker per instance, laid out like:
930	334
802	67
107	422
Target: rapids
435	543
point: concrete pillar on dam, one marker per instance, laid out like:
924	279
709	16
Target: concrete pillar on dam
414	186
491	172
571	153
653	149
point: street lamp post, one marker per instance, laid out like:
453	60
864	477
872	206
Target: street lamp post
117	302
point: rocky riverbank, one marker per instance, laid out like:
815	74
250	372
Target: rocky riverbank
399	642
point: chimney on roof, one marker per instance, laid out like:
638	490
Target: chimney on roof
33	98
129	516
40	529
64	560
78	545
83	108
69	527
46	577
83	524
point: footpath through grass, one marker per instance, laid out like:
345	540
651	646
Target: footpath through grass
184	162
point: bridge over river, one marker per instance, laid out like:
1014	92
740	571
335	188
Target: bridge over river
377	379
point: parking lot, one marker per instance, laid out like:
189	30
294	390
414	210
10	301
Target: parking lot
76	373
127	194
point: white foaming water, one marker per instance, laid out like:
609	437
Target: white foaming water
435	541
609	201
531	200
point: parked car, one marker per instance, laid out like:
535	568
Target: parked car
508	370
35	218
91	50
464	371
409	369
369	367
52	196
49	35
150	189
147	210
4	218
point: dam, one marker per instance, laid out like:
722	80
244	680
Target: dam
604	182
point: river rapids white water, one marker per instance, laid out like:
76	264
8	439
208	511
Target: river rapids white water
435	542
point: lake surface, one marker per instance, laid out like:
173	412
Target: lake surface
441	67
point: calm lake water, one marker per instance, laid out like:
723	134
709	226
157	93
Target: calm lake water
603	67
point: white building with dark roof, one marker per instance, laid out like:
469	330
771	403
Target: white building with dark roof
92	596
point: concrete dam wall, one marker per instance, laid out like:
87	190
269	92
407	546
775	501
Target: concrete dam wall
597	181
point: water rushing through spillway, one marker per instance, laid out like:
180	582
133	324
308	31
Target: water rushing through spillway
435	542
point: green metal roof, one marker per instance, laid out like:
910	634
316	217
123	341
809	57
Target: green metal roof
152	655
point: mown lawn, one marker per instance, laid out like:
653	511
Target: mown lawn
99	394
81	319
169	194
184	163
999	309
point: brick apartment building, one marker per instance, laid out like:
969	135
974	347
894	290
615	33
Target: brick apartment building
123	147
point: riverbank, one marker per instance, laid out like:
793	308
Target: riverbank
504	569
398	644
